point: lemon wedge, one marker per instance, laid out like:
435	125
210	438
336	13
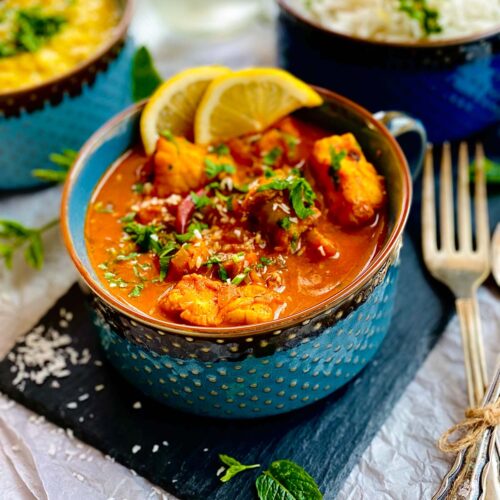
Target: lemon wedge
249	100
173	105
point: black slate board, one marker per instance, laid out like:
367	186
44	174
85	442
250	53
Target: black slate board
327	438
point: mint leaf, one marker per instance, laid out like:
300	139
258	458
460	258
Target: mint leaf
235	467
145	77
285	480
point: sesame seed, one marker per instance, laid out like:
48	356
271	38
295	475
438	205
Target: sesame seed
155	448
83	397
72	405
137	405
99	387
135	449
220	470
164	443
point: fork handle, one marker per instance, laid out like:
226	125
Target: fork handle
472	342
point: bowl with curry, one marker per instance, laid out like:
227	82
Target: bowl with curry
243	268
64	71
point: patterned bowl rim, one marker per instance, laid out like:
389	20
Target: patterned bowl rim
232	332
285	6
119	33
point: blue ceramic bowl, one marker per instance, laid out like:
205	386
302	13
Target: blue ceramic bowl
452	86
248	371
63	112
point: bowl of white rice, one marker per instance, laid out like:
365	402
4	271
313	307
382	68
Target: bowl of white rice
436	59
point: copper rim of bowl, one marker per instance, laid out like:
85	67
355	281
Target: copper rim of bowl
230	332
119	33
420	44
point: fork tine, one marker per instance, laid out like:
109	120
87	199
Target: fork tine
446	201
482	224
464	216
429	244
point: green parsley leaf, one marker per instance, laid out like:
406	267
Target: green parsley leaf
213	169
239	278
130	256
138	188
183	238
427	17
201	201
142	235
223	273
266	261
272	156
130	217
285	480
285	223
145	77
291	141
219	150
234	467
137	290
336	163
165	256
301	194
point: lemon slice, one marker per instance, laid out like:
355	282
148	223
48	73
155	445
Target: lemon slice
173	105
247	101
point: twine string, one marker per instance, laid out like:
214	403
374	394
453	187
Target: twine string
476	421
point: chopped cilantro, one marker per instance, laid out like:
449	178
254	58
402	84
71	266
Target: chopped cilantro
223	273
336	158
266	261
427	17
213	169
137	290
130	256
219	150
200	201
291	141
301	194
238	279
272	156
194	226
268	172
130	217
138	188
285	223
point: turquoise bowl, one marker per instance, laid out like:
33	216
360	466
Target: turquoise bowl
62	113
249	371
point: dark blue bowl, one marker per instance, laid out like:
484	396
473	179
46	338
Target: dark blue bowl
452	86
258	370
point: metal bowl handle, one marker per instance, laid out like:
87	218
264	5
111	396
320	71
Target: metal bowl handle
398	124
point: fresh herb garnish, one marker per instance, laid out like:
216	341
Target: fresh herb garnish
239	278
130	256
137	290
192	228
114	280
234	467
427	17
31	29
219	150
272	156
15	236
200	201
167	134
266	261
138	188
491	171
268	172
291	141
223	273
301	193
213	169
336	158
145	77
285	223
63	160
285	480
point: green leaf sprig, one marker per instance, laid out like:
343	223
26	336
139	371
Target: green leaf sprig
336	158
284	480
14	236
145	76
213	169
301	194
491	171
234	467
63	160
427	17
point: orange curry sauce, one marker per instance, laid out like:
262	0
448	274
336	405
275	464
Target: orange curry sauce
268	271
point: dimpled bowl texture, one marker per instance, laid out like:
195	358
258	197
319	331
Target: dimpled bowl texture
62	114
452	87
255	371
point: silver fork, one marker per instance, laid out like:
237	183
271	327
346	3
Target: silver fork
464	268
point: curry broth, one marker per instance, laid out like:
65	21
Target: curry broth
308	279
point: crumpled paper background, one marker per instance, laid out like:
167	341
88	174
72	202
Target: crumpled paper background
40	460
